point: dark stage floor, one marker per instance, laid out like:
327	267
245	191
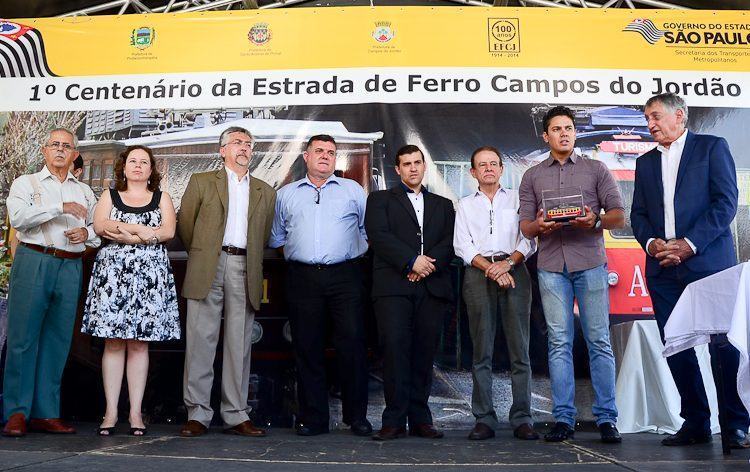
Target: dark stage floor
163	451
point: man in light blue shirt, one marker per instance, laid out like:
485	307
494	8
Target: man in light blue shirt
319	226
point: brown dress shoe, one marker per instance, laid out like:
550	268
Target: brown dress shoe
193	429
51	425
387	433
246	428
16	426
526	431
425	430
481	431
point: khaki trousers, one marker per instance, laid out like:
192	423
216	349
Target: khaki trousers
228	294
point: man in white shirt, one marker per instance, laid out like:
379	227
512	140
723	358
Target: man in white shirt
53	215
684	201
496	282
224	222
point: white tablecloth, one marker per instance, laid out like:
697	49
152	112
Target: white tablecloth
716	304
646	395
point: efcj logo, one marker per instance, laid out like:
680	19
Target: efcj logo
142	37
503	35
383	31
645	28
259	34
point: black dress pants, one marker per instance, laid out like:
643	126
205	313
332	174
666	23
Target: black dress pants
409	332
319	296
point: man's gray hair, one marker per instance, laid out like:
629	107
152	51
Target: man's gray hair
48	136
224	138
672	102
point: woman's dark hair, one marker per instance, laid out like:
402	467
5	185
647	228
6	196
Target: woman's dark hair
121	183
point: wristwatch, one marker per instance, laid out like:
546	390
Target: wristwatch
598	223
511	263
154	240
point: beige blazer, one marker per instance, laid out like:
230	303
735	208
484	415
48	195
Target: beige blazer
201	222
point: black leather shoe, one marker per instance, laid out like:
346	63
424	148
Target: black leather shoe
361	427
559	432
609	433
387	433
481	431
526	432
686	437
739	439
311	429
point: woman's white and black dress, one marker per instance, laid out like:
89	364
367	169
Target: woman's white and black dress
132	291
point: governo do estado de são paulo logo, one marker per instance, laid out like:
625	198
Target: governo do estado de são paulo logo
720	34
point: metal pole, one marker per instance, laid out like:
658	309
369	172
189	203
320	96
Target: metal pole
718	373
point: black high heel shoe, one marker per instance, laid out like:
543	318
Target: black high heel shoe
105	432
138	431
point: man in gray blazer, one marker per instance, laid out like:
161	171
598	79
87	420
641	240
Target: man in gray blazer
224	222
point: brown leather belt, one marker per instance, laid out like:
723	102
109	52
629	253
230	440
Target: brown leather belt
53	251
496	257
234	251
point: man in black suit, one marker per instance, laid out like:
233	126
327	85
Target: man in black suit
411	234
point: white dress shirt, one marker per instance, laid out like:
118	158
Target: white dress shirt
670	164
29	218
417	201
486	228
235	233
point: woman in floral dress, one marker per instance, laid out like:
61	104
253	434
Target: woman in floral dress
131	298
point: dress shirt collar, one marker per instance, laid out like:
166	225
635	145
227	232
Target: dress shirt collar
679	142
307	181
479	192
234	178
551	160
44	173
408	190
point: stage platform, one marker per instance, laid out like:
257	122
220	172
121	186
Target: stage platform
163	451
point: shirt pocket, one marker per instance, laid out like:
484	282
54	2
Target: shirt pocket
508	225
343	209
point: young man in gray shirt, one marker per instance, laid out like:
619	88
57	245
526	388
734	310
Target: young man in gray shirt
573	264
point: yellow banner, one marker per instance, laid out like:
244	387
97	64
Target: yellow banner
374	55
319	38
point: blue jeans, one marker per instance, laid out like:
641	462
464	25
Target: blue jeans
590	288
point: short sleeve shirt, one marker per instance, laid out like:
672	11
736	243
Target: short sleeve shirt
570	247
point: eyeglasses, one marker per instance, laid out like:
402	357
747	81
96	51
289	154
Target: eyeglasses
58	145
317	196
237	142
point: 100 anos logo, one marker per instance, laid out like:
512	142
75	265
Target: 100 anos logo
503	35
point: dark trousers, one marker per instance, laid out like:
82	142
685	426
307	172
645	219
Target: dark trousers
409	332
317	298
665	291
487	305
